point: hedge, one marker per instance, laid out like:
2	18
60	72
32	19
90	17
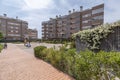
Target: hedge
85	65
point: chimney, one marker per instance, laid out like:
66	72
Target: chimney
5	15
73	10
81	8
16	17
69	11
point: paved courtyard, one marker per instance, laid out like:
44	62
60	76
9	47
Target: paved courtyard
16	63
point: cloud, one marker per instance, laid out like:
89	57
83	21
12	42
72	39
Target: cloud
37	4
36	11
11	4
112	11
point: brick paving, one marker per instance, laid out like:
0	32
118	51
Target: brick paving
16	64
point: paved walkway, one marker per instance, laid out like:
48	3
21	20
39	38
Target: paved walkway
16	64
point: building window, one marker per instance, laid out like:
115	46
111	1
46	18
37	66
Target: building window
14	35
97	10
86	27
86	21
11	31
16	31
11	27
86	15
12	23
16	28
98	17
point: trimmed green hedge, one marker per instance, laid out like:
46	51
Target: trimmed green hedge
1	47
85	65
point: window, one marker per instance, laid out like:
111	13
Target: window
98	17
97	11
16	27
86	15
12	23
11	31
13	35
86	27
11	27
16	31
86	21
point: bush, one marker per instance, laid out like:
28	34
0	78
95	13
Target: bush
72	44
85	65
38	51
1	47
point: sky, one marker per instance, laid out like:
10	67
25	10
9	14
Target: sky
37	11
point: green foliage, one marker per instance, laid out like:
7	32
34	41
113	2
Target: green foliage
1	47
38	51
94	36
72	44
1	35
85	65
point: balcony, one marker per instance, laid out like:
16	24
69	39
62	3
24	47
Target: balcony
43	30
72	27
97	22
62	33
43	27
42	33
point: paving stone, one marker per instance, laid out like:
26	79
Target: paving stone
16	64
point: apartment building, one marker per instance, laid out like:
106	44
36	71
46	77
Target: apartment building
32	34
93	17
62	27
13	29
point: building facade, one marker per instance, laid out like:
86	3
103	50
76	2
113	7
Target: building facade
13	29
62	27
32	34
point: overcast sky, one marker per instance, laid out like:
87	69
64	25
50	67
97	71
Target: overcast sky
36	11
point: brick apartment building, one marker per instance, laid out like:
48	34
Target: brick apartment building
62	27
14	29
33	34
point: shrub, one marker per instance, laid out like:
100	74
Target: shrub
1	47
1	35
72	44
85	65
38	51
91	66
